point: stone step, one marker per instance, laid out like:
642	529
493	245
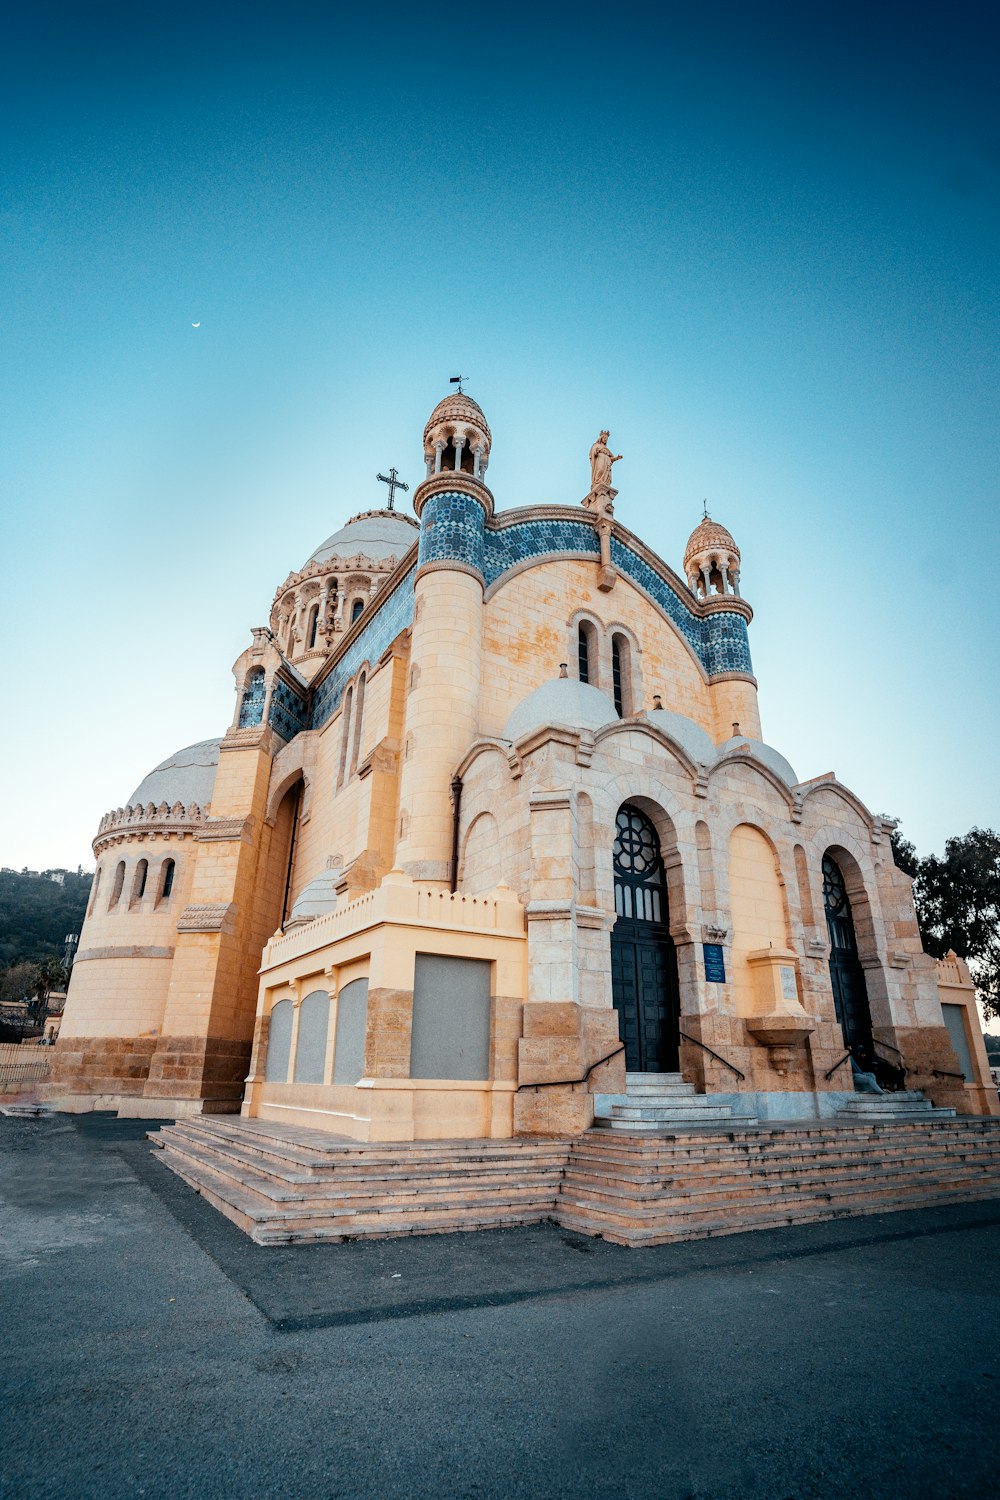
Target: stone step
290	1167
643	1184
656	1198
682	1196
282	1185
736	1139
314	1146
764	1218
682	1112
275	1226
416	1191
870	1107
638	1173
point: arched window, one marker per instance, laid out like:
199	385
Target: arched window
621	674
167	878
583	651
96	887
313	627
118	884
357	610
252	704
139	882
359	711
345	735
640	882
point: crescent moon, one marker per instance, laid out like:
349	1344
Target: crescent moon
195	325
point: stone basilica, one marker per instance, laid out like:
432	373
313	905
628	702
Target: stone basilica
493	833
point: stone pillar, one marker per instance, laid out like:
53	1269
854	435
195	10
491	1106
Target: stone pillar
442	704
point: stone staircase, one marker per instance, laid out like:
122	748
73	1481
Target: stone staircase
689	1185
281	1183
654	1102
907	1104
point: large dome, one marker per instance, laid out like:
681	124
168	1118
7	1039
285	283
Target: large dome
186	776
378	534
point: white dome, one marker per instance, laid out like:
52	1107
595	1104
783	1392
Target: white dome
696	741
186	776
316	898
379	534
561	701
772	758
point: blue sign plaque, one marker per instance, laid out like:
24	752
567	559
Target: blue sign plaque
715	963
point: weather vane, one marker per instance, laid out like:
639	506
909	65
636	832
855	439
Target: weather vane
394	482
457	380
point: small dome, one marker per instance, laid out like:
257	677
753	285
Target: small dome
315	899
689	735
458	407
709	536
767	753
186	776
378	534
561	701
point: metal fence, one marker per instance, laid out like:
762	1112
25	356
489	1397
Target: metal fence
21	1068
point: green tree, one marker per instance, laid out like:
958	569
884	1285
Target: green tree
20	981
52	975
957	898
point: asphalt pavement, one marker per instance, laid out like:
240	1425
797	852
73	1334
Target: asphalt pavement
148	1348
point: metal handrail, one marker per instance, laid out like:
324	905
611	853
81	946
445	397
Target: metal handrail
878	1042
723	1060
944	1073
552	1083
840	1064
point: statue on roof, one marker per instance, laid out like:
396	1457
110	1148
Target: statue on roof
601	459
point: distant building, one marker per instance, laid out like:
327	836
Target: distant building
494	825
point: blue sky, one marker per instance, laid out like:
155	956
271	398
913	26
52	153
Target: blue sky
758	243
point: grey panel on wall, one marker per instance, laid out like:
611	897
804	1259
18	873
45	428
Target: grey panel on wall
955	1022
352	1018
310	1052
451	1018
279	1043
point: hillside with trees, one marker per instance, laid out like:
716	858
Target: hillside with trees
38	910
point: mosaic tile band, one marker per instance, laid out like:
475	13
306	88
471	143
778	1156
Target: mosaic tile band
289	713
252	703
391	618
453	529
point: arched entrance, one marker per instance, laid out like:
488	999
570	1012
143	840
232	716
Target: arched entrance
643	961
850	993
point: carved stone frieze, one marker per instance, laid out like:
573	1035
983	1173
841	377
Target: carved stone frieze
208	916
226	828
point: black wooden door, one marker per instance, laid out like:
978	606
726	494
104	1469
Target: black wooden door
850	993
643	960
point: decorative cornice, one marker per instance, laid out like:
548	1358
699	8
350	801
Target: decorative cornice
726	604
449	565
129	950
258	736
208	916
147	821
